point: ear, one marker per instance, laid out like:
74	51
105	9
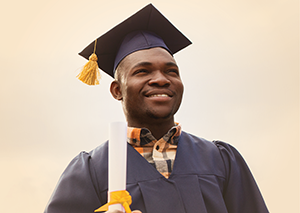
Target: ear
115	90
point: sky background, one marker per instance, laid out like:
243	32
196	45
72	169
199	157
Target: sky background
241	77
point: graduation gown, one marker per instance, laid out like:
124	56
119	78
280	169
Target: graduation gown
206	178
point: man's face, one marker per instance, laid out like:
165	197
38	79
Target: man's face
150	87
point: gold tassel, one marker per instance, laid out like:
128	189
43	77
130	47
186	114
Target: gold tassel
90	73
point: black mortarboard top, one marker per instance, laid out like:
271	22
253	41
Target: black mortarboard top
147	21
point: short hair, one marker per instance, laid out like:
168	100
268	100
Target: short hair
119	73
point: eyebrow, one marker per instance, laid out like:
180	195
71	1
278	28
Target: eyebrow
170	64
141	64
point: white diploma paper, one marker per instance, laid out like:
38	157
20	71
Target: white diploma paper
117	159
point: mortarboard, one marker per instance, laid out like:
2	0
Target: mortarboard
145	29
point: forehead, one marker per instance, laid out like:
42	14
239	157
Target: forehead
154	56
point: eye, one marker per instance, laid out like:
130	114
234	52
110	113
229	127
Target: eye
140	71
173	71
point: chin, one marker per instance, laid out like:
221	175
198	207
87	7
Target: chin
160	115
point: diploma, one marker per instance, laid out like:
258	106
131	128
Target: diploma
117	159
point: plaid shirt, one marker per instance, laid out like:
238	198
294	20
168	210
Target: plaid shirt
159	153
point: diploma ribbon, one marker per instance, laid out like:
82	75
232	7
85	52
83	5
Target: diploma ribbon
122	197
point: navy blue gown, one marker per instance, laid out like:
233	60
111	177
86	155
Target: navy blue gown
206	178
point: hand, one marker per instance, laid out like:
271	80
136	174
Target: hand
116	211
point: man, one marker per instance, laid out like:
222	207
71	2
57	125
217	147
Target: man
168	170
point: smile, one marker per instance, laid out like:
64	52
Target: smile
162	93
159	95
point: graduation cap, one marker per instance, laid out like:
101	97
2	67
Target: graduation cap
145	29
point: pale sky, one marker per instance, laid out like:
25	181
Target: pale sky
241	77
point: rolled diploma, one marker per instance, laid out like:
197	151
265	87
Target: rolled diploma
117	158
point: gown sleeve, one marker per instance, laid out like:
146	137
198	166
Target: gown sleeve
75	191
241	193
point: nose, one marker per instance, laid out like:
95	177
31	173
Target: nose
159	79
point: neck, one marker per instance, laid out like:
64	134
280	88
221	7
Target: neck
158	128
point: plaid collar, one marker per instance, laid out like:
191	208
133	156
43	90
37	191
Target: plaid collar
143	136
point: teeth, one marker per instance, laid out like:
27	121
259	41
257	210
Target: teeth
159	95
